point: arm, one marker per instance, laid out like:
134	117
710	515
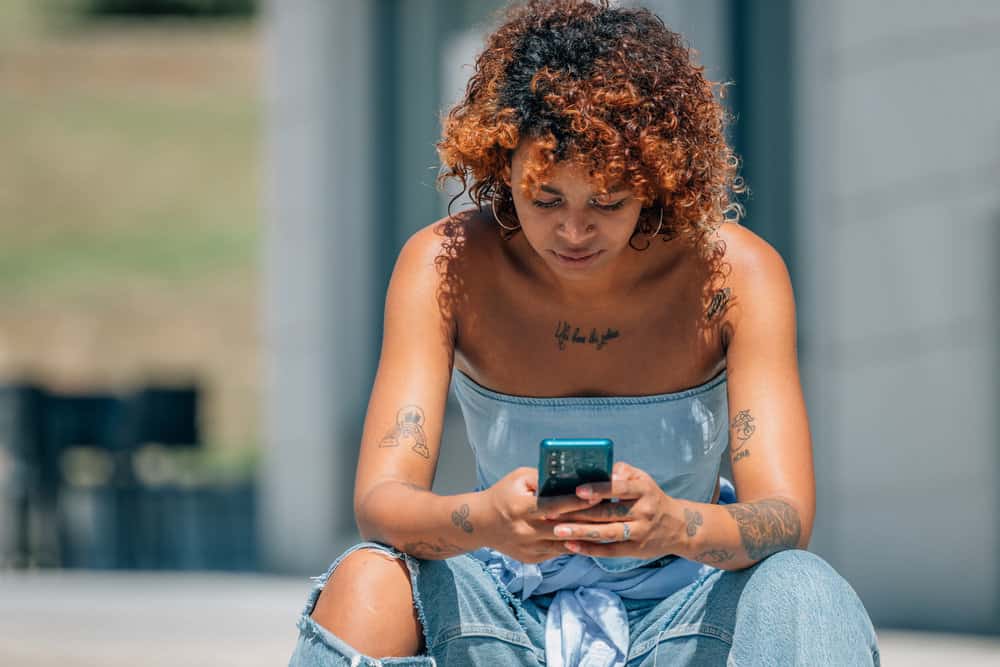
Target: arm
770	442
402	431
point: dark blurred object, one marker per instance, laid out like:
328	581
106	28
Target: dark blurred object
115	520
199	8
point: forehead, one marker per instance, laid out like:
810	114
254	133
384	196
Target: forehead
566	174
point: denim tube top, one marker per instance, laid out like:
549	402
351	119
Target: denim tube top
678	437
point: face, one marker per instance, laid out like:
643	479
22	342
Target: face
577	230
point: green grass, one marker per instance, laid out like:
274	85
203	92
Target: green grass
137	180
166	253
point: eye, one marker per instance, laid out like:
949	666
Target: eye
546	204
611	207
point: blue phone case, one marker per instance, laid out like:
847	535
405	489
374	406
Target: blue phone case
565	463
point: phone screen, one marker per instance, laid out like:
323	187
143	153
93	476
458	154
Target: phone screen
565	463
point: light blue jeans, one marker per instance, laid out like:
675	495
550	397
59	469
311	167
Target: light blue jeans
791	608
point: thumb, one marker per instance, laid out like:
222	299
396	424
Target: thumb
622	470
527	478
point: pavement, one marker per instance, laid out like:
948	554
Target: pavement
118	619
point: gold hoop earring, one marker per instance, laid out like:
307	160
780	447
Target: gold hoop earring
653	235
493	201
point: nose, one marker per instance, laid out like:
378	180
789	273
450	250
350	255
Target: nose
576	230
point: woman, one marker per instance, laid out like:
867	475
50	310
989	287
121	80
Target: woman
596	290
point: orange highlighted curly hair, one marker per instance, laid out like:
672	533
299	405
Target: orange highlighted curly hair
611	87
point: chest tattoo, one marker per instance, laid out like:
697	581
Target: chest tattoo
567	333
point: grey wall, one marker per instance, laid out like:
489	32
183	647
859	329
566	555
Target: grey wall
898	146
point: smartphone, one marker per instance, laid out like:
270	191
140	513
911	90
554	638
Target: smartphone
565	463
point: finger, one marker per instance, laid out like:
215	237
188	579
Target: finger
622	488
603	511
593	532
623	470
557	505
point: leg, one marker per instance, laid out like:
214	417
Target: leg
382	620
792	608
451	611
796	608
363	581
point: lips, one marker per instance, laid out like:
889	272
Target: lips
578	254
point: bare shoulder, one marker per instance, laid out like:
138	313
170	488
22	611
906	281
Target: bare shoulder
439	262
461	236
750	255
756	275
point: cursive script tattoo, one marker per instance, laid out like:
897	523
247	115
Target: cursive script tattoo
714	556
408	431
741	455
766	526
429	550
718	303
693	519
460	518
598	340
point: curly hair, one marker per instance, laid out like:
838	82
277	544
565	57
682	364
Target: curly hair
610	87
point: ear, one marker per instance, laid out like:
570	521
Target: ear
505	174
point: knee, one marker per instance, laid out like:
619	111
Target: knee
795	607
368	602
367	574
800	578
793	572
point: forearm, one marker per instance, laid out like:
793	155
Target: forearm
420	522
738	535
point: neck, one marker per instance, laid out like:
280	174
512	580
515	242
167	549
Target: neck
631	270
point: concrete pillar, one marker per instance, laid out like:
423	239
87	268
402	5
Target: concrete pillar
318	278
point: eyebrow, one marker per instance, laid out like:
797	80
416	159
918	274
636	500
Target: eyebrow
554	191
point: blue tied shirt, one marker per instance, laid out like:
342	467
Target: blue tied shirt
677	437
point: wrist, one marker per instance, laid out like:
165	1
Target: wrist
481	518
688	530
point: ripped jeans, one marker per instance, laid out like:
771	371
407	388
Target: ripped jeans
791	608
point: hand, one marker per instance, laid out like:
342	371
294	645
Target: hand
517	525
655	520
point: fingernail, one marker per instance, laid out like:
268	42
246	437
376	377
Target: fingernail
585	491
562	531
572	546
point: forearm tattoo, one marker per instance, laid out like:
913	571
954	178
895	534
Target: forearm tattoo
714	556
567	333
743	428
408	432
460	518
766	526
429	550
692	518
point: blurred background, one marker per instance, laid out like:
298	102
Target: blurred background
200	205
